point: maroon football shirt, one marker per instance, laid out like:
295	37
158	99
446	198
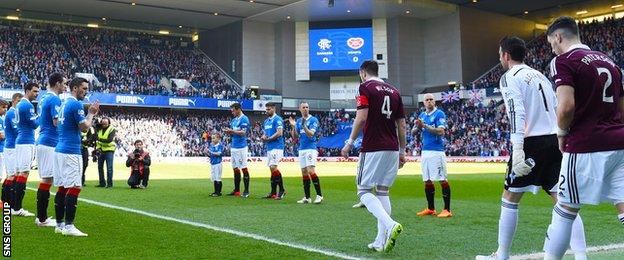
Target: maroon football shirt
597	82
384	105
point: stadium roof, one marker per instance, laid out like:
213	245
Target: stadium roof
197	15
190	16
543	11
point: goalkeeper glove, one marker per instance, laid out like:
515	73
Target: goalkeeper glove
519	166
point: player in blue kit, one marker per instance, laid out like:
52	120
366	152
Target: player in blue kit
3	109
305	129
26	121
239	150
68	179
274	139
10	131
216	156
49	105
433	123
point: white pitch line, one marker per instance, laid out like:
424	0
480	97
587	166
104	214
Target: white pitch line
219	229
592	249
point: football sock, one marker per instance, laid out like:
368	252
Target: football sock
20	191
11	193
43	198
219	186
216	186
71	200
506	227
317	183
246	179
384	199
375	207
577	239
558	234
59	204
273	183
280	181
306	186
237	179
6	189
446	195
621	218
430	193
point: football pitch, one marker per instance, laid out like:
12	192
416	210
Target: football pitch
175	218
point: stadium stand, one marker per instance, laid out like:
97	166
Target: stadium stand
169	133
602	36
32	51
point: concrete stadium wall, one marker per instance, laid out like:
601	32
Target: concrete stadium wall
224	45
315	88
406	52
258	54
442	50
423	53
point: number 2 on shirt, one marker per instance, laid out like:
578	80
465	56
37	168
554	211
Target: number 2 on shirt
385	108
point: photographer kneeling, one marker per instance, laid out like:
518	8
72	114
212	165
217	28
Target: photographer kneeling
139	161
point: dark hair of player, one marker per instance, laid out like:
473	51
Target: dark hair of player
270	104
3	103
236	106
370	67
515	47
55	78
568	26
76	82
30	85
138	141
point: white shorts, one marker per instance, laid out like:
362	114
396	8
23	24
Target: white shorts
239	157
45	160
377	168
274	157
307	158
9	161
433	166
590	178
69	170
24	156
215	172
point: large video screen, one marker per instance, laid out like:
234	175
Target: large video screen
340	49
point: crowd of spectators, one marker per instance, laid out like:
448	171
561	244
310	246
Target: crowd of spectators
30	56
474	129
122	62
602	36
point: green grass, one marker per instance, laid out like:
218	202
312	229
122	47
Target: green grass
333	225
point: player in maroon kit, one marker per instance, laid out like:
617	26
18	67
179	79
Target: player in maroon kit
379	113
590	114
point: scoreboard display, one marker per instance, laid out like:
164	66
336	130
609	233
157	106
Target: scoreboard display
340	48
